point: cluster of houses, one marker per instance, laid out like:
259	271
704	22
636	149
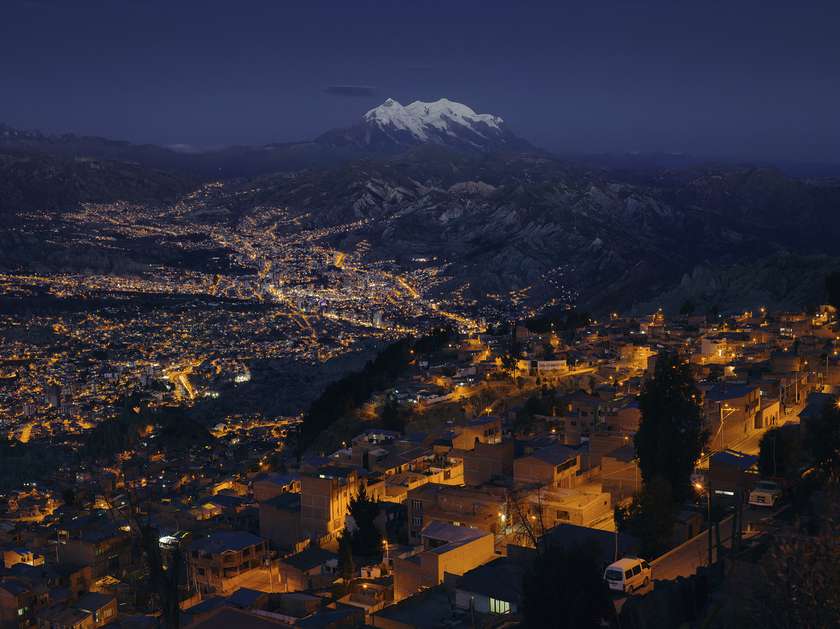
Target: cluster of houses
460	504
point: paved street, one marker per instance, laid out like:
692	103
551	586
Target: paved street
685	559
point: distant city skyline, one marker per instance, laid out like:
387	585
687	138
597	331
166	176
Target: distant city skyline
743	80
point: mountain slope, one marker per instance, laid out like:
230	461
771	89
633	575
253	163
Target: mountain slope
35	181
452	197
497	224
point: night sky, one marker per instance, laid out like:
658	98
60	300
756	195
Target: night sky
738	79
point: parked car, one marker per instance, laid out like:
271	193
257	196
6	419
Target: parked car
766	493
628	574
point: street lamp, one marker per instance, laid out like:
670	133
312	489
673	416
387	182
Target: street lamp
699	487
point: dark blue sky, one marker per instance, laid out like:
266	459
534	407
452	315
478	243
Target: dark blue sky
745	79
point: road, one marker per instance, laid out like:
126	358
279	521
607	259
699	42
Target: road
684	560
751	444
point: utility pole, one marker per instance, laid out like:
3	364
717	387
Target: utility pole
709	522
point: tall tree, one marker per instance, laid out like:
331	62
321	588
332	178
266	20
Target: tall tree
565	589
511	358
649	517
346	565
366	538
779	452
822	436
391	417
671	433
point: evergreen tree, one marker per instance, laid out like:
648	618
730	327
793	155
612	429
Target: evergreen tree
346	565
391	417
366	538
779	452
822	437
509	361
649	517
671	434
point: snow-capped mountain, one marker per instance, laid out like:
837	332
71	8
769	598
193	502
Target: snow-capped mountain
392	126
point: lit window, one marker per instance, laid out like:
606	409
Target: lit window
499	607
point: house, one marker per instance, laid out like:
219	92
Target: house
246	598
625	417
101	607
103	546
428	610
485	429
732	412
493	588
76	580
313	616
221	562
552	466
280	520
620	474
487	461
477	507
311	568
19	602
60	617
445	549
769	413
371	595
732	473
603	442
225	617
324	500
583	506
22	555
582	410
272	485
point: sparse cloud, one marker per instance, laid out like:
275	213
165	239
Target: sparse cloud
188	149
351	90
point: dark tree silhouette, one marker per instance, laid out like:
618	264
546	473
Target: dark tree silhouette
649	517
348	393
366	539
346	565
671	434
780	452
391	417
822	437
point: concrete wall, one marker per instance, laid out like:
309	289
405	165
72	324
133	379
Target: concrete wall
427	568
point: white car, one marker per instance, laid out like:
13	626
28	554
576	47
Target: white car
766	493
628	574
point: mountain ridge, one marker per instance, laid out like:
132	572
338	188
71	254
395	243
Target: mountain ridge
498	221
366	138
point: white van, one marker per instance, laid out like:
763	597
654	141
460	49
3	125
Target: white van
766	493
628	574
